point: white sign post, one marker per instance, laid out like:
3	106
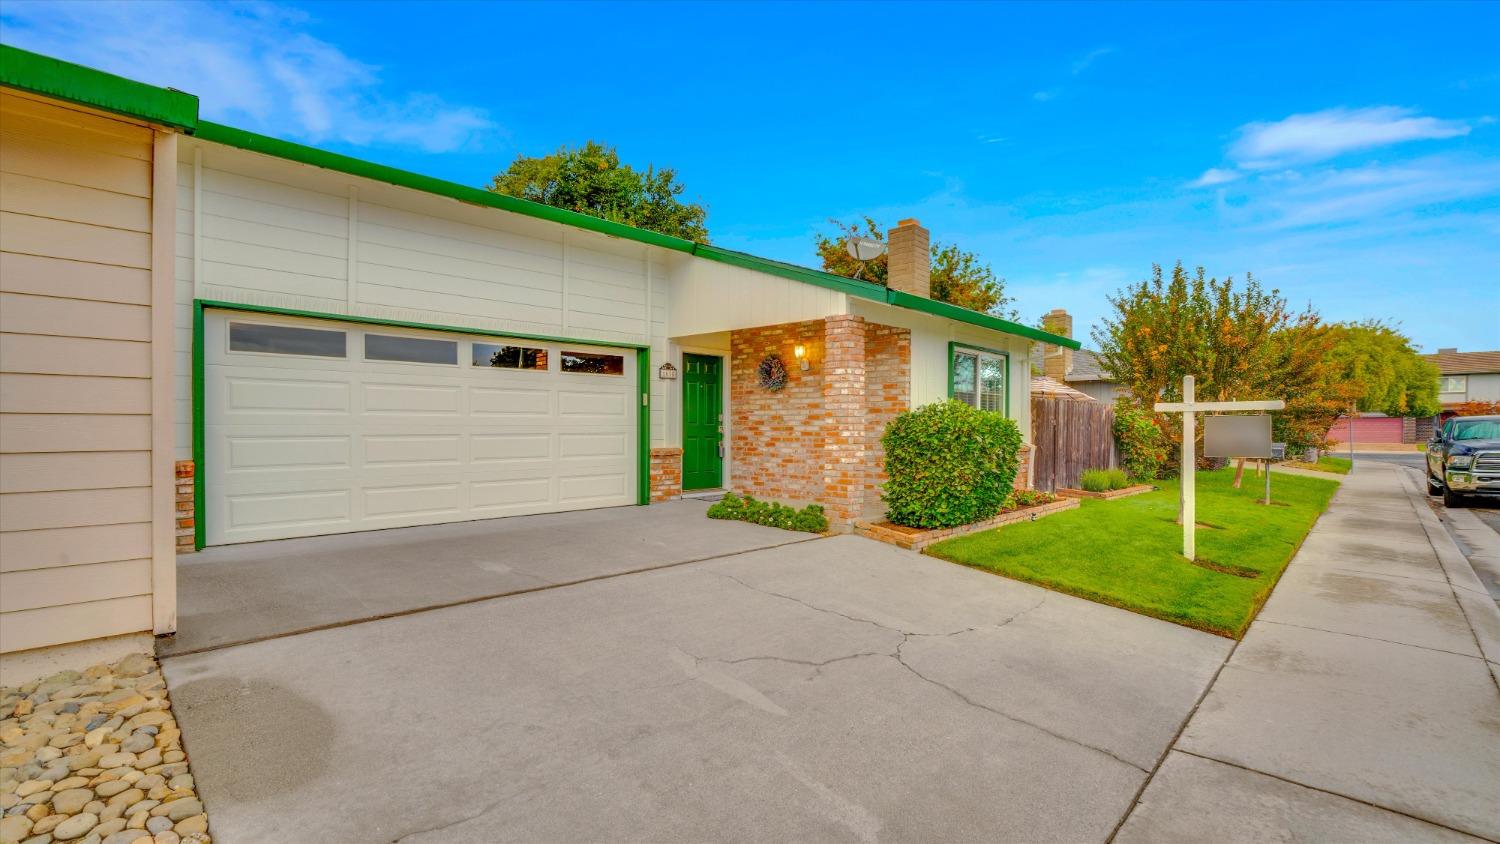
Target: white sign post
1187	407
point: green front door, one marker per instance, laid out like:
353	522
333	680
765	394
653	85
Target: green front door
702	422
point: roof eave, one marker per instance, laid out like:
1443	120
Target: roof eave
49	77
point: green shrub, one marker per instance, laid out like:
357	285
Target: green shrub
1094	480
1143	447
769	513
1117	478
948	464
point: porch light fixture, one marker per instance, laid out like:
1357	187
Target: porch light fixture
800	352
667	372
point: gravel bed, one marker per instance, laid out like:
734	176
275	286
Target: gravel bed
95	757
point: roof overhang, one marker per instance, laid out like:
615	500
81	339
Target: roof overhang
44	75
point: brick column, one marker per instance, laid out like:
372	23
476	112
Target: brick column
666	473
185	523
843	370
1023	469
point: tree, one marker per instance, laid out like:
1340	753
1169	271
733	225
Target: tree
1390	376
591	180
958	277
1238	341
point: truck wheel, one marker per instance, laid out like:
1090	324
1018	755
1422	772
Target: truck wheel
1452	499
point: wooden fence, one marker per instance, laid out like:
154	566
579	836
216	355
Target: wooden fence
1070	436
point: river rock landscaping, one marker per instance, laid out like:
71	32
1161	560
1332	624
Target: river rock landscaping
95	757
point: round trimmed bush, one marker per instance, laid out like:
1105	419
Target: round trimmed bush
949	464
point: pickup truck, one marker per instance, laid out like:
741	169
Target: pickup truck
1463	459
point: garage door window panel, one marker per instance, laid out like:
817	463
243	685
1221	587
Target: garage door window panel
593	363
399	349
268	338
501	356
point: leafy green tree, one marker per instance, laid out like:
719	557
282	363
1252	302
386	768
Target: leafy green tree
958	277
1388	374
1239	341
591	180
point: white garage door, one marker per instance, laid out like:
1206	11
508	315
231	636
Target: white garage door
316	427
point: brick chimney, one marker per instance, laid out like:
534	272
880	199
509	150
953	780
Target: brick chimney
1058	360
910	262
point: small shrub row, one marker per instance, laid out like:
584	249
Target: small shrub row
1103	480
1030	497
769	513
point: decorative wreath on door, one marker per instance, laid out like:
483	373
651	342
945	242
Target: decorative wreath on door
772	373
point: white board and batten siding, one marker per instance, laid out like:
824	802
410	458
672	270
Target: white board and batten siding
257	230
76	361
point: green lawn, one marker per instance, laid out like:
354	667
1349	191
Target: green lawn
1127	552
1337	465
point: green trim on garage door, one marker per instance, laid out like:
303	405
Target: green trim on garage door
642	362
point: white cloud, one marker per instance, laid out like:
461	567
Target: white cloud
1214	176
1326	134
251	64
1089	58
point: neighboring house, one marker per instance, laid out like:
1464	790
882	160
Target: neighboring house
212	336
1076	367
1466	376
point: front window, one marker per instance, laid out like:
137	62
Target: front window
1453	384
979	378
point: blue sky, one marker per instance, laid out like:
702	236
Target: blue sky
1346	154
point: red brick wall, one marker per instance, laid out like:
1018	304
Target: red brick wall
666	473
185	507
887	394
817	439
776	439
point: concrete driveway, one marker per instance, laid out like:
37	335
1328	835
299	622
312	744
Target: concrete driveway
243	593
834	689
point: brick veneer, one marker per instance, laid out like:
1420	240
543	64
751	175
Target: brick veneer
666	474
887	394
1023	470
185	507
816	439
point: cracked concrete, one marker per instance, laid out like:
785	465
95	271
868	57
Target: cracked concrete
839	689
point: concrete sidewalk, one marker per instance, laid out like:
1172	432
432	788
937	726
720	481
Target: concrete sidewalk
1362	705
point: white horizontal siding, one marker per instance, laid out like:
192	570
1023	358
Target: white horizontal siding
75	375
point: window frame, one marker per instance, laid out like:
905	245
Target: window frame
956	348
365	349
1462	380
229	325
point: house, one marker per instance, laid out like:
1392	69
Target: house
212	336
1074	366
1466	376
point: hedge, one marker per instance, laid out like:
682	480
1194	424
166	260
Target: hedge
948	464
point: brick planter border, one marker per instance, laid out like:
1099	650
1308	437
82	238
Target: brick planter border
1137	489
917	540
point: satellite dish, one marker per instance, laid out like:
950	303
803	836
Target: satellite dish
864	248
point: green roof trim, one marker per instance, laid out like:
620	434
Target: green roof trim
28	71
954	312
